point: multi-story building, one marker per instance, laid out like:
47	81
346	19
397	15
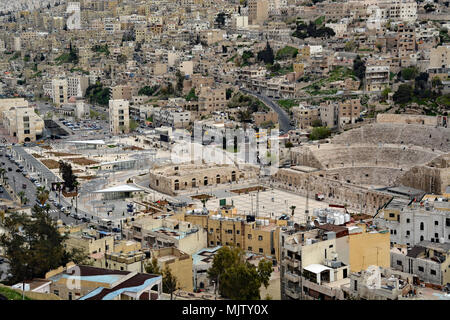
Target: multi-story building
377	78
411	223
317	261
211	99
163	233
60	92
305	116
440	57
122	92
179	263
77	85
428	260
258	11
228	228
349	111
23	124
119	116
172	117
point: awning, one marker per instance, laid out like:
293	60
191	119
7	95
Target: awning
121	188
316	268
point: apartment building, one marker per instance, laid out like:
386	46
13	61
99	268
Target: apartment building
305	116
428	260
163	233
179	263
89	241
260	118
377	78
440	57
60	92
349	111
122	92
317	261
23	124
77	85
119	116
171	117
411	223
406	43
228	228
211	99
258	11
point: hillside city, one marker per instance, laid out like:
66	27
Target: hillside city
225	150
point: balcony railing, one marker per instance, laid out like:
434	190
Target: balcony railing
292	277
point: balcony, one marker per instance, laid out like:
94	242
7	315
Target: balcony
291	262
292	277
292	293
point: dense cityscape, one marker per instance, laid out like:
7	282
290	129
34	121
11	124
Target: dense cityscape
224	150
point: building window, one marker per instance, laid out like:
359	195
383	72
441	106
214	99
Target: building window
436	235
422	227
433	272
407	232
420	269
407	220
238	232
249	236
436	223
260	238
70	295
421	238
261	250
249	248
211	243
391	215
399	262
56	292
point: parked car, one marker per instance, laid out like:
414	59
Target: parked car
24	186
9	169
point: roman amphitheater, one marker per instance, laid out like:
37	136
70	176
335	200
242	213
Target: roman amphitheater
356	164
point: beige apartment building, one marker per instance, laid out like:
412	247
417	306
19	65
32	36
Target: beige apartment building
265	117
211	99
119	116
377	78
60	92
305	116
258	11
23	123
122	92
349	111
77	85
440	57
179	263
7	104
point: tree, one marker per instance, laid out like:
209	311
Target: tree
170	282
403	94
409	73
266	55
220	19
292	209
359	67
148	91
33	247
180	80
191	96
385	93
319	133
67	174
153	267
238	279
42	194
133	125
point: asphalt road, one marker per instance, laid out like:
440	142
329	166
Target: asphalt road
283	117
16	180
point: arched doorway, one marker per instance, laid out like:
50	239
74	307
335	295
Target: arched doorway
218	179
177	185
233	176
194	182
205	181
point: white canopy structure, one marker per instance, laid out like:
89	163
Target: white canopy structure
118	192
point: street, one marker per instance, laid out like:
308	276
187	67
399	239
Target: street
283	117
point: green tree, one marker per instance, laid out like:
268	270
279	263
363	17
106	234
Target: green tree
237	278
385	93
319	133
170	282
148	91
191	96
266	55
180	82
133	125
33	247
153	267
409	73
67	174
404	94
359	67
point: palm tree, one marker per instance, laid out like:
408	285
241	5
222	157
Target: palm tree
293	209
21	195
42	194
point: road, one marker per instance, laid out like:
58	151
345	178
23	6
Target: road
16	180
283	117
